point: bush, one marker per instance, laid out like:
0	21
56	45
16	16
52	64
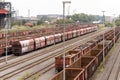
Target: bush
60	21
117	22
108	25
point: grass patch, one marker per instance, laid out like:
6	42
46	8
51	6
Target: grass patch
101	26
36	77
24	76
18	28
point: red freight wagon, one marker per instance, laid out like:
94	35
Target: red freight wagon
20	47
88	63
85	47
26	32
64	36
106	46
74	33
109	44
70	57
70	34
88	29
99	38
95	28
78	32
1	51
1	36
11	34
39	42
70	74
79	50
83	31
96	53
92	44
58	38
49	39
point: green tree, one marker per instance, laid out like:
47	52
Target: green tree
60	21
84	18
40	22
108	25
117	22
45	18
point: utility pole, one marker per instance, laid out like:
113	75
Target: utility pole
68	12
64	2
103	38
103	17
29	15
114	28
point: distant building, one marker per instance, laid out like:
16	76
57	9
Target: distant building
33	20
50	17
97	21
108	19
57	16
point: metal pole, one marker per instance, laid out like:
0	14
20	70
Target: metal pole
6	45
103	50
6	32
68	12
54	36
64	2
29	15
114	29
64	41
103	18
103	39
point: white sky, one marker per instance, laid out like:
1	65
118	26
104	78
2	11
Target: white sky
77	6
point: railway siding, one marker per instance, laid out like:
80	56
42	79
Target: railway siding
91	66
80	41
37	68
111	67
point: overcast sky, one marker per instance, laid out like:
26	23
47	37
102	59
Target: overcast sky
77	6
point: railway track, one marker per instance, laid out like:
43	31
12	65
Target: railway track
40	72
8	58
36	62
37	74
30	57
115	68
57	46
6	76
111	65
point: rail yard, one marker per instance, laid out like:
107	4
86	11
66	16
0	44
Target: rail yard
36	55
58	51
30	62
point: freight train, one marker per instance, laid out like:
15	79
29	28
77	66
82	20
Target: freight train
83	49
86	58
30	44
